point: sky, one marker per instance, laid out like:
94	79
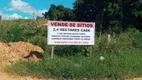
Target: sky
15	9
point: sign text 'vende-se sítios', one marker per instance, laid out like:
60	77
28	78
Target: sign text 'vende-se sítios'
71	33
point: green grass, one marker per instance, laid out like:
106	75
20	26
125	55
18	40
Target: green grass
124	65
122	55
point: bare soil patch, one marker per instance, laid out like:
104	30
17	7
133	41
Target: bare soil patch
11	52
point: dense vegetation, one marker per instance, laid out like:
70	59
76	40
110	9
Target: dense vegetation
122	55
122	59
110	16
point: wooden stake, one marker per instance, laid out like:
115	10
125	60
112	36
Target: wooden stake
52	52
91	50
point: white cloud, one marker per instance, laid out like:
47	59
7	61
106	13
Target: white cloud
16	16
19	5
26	18
12	16
0	13
39	12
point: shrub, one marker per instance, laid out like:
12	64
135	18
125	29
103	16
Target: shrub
71	50
113	66
39	40
137	40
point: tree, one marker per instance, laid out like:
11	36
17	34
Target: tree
59	13
39	17
45	15
103	12
132	13
112	15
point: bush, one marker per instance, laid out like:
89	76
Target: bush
127	64
12	34
137	40
15	34
71	50
39	40
122	55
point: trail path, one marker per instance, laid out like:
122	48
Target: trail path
6	76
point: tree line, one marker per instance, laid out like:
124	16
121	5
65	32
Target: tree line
109	15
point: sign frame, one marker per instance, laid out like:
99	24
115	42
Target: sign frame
71	33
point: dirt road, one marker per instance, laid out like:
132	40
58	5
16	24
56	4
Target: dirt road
6	76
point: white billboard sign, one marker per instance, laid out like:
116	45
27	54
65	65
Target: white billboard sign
71	33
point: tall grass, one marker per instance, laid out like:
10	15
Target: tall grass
122	55
122	59
124	65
